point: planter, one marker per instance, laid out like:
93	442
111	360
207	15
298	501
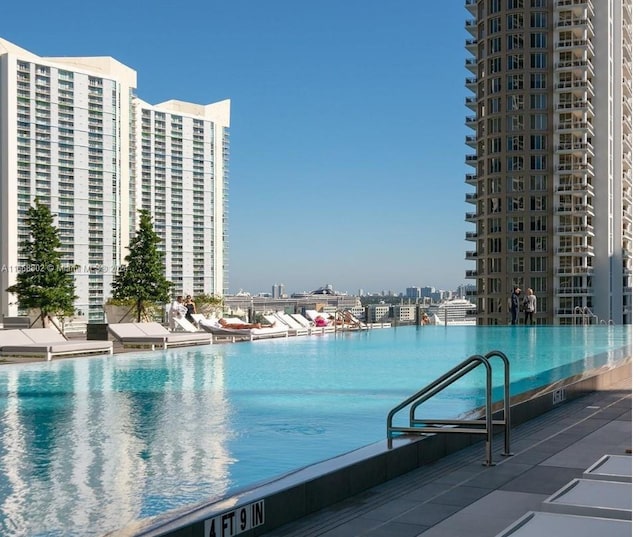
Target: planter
119	314
97	331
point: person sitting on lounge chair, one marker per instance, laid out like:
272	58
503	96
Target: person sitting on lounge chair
239	326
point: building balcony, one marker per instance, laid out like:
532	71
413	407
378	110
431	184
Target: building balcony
578	187
471	179
471	254
575	229
471	274
472	6
571	250
581	291
471	140
579	66
471	160
575	105
471	102
471	217
574	271
471	197
574	166
580	127
471	82
471	236
471	45
471	121
471	64
578	210
471	25
576	147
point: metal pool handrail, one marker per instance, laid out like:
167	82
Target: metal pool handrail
479	426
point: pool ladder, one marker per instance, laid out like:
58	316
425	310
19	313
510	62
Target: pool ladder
484	425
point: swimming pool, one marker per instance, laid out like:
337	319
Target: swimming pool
88	445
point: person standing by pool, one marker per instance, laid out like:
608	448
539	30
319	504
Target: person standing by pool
514	306
529	304
191	310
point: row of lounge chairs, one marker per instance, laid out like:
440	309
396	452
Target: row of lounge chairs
155	335
47	342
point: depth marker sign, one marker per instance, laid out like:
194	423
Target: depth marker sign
235	522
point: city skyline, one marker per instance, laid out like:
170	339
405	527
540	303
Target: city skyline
327	111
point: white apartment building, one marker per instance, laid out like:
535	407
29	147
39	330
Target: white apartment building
74	135
551	134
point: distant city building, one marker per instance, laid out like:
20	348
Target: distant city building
377	312
277	290
74	135
413	292
551	140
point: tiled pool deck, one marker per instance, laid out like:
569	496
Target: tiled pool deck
458	496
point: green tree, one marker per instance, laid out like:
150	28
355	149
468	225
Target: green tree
43	283
142	278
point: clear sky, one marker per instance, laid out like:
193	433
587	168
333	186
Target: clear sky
347	124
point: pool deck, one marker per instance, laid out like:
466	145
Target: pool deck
457	495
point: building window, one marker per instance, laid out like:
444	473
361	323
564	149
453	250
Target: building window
495	65
515	42
515	244
495	85
495	225
517	264
538	142
496	205
538	203
515	163
515	4
495	165
538	182
495	245
515	183
494	125
538	101
494	6
515	143
495	145
538	60
538	40
495	285
538	244
515	223
538	81
539	284
515	21
515	82
515	123
538	264
515	61
515	102
494	105
515	203
495	185
494	25
538	19
538	122
538	3
495	265
538	162
495	45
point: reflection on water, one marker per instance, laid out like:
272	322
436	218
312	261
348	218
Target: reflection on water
89	445
86	442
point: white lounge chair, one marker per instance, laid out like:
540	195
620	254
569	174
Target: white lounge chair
534	524
47	342
292	323
212	326
185	325
303	321
154	334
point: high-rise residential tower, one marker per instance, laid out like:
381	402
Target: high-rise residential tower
74	135
551	121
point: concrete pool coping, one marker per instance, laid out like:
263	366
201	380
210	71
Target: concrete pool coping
302	498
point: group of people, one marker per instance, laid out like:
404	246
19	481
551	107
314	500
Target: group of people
183	308
528	306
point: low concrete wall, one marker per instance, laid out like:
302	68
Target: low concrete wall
310	489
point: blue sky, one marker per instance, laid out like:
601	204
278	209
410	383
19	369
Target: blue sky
347	124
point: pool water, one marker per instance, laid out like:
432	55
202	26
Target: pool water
88	445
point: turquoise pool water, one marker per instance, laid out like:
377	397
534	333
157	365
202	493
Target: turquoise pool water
88	445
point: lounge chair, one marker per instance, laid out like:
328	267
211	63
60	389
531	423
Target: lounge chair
47	342
154	334
284	322
313	315
184	325
213	327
